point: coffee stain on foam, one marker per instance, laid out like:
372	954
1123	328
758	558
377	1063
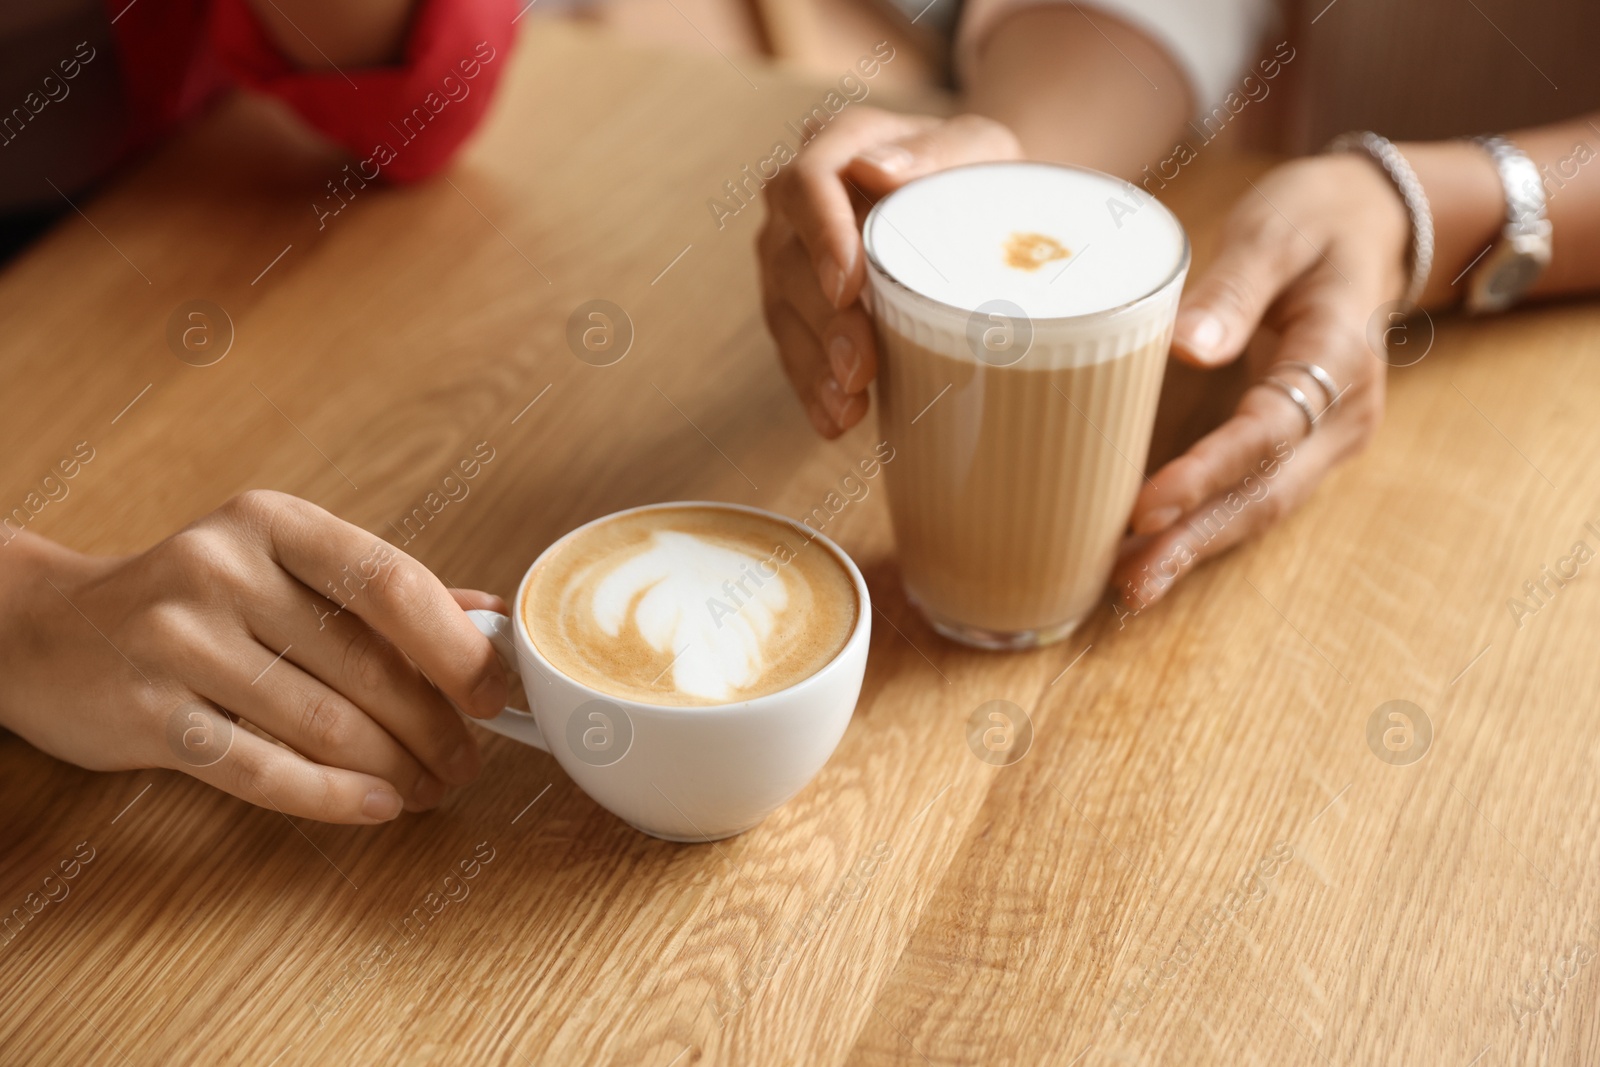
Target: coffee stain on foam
1030	251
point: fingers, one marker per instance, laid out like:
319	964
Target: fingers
810	247
830	408
343	653
1261	432
814	198
1274	265
1145	574
1247	474
852	348
791	277
311	718
269	776
846	338
958	141
477	600
393	593
1261	254
1317	315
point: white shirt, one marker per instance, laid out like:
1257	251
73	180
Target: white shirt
1213	41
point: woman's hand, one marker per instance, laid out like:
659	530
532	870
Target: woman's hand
812	264
1308	256
309	629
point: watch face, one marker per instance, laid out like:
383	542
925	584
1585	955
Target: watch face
1512	278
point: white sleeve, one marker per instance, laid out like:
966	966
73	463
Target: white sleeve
1212	40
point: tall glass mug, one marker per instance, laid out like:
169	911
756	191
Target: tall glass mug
1023	313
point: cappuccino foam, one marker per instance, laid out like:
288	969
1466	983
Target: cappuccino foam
690	606
1056	241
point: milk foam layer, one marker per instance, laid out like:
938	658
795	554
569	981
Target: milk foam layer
690	606
955	237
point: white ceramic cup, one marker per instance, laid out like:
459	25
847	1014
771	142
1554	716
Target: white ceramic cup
696	773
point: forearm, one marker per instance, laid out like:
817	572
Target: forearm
1099	94
317	34
1469	205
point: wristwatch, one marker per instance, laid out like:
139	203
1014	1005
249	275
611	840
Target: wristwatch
1522	252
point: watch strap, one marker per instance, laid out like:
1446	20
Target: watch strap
1524	188
1522	249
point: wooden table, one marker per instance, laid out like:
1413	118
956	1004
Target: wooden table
1092	903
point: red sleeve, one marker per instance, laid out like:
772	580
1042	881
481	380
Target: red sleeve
420	111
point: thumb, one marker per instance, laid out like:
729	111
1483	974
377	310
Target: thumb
476	599
964	139
1262	253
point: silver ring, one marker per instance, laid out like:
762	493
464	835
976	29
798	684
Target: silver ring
1323	379
1300	401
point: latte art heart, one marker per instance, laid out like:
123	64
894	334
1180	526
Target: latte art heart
690	606
678	594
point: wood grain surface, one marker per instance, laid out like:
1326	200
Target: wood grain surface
1200	859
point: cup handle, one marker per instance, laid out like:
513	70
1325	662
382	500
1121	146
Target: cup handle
512	723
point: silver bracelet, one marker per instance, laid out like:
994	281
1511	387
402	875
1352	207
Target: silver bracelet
1394	164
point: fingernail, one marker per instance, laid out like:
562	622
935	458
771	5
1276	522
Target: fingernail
489	698
1157	520
1200	332
834	276
462	765
834	399
831	276
381	804
844	357
1139	597
889	158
